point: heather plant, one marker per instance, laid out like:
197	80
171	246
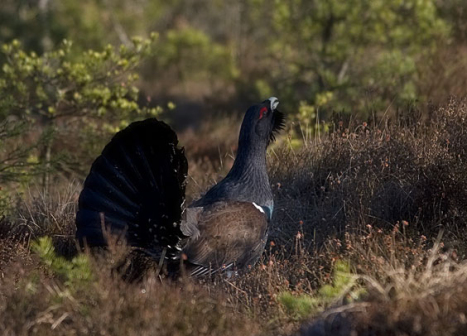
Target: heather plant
65	298
354	245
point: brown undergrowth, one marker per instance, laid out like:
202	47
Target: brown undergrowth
367	238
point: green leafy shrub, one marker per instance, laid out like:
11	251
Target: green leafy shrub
73	102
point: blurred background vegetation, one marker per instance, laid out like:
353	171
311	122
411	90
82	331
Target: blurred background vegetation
72	72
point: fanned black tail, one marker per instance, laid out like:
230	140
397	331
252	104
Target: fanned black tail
136	187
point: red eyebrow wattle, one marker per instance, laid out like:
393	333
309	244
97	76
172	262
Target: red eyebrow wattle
261	112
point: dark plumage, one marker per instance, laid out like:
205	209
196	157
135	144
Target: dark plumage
136	187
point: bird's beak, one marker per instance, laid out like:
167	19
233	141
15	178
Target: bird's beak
274	103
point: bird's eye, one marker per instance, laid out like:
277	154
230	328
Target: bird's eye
262	112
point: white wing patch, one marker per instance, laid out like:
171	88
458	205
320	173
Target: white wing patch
258	207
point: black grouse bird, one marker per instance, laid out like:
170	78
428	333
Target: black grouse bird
136	188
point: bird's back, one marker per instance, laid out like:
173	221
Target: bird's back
228	235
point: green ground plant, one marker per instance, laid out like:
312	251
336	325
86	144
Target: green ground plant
76	273
343	285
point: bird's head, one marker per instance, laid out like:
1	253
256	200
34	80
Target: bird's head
262	122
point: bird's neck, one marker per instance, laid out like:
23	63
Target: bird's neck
247	181
250	165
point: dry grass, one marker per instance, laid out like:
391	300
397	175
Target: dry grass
411	290
36	301
379	174
210	150
374	197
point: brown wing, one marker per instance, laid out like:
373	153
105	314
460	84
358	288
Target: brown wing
230	233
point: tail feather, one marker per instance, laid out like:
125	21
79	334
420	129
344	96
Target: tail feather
107	170
99	202
119	193
91	224
138	184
